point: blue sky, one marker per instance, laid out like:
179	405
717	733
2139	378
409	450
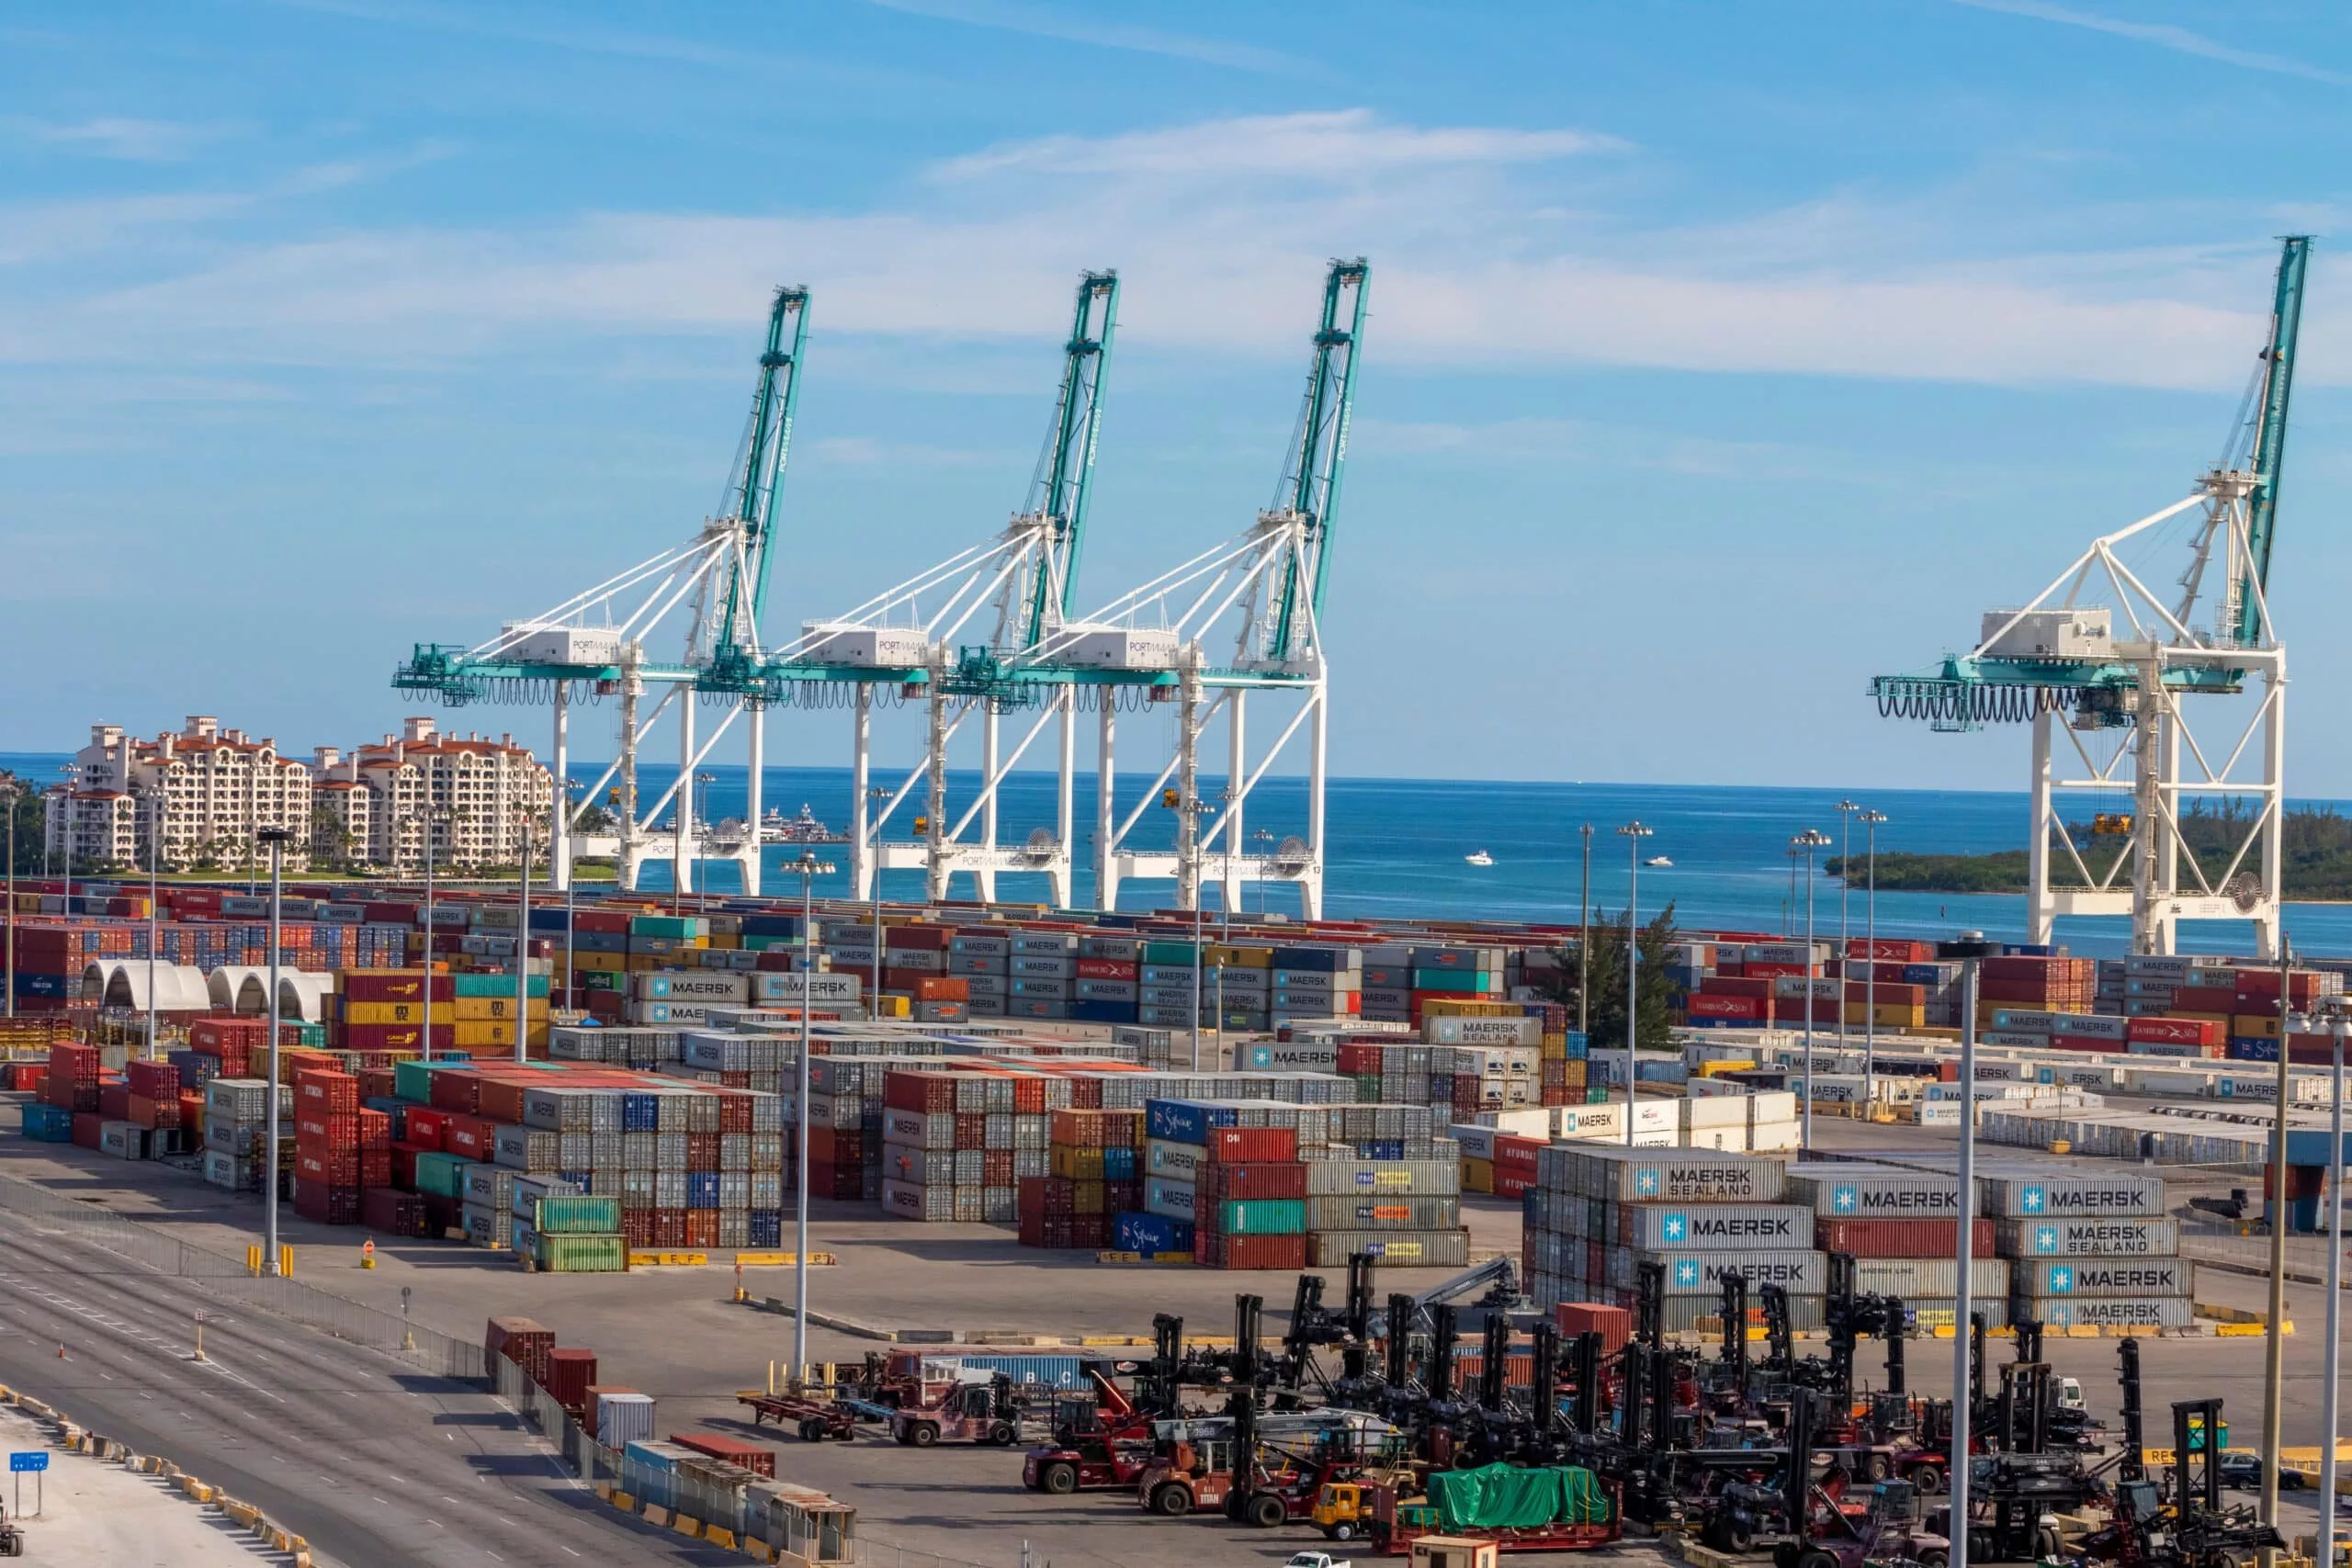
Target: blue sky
1721	356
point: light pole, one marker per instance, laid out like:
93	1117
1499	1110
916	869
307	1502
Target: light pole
2330	1367
2274	1354
572	976
1970	949
154	926
1871	821
11	791
876	792
1264	839
1584	945
1632	833
811	868
434	816
522	949
1845	810
1807	843
277	838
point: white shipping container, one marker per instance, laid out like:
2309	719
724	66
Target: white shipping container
1658	1116
1920	1278
2118	1194
1941	1113
545	642
1770	1105
2090	1238
1721	1111
1291	1057
1775	1137
822	988
1715	1227
700	986
1483	1031
2074	1277
2142	1311
1728	1140
841	642
1586	1122
1700	1273
1477	1142
1843	1190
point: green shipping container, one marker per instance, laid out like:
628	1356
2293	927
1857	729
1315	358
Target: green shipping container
1179	953
494	985
1467	982
441	1175
1263	1216
576	1213
413	1080
678	926
579	1254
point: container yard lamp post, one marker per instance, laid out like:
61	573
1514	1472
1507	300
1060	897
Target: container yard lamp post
2274	1352
1871	821
1584	944
2330	1367
1632	833
811	868
1970	949
1845	810
9	794
277	838
876	792
154	931
439	816
1810	842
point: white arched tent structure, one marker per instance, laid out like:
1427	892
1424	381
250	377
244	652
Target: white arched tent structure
122	983
244	987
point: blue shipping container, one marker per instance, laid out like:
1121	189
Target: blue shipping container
702	1189
1093	1009
2251	1048
1119	1165
1186	1121
49	1123
1150	1233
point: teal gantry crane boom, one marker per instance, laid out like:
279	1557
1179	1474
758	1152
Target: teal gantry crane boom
2100	651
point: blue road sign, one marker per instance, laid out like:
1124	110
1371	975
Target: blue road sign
35	1461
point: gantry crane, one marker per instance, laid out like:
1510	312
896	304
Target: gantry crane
905	645
2064	665
594	644
1164	641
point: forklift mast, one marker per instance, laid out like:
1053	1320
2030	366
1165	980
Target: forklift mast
1587	1415
1734	1313
1545	1394
1355	1350
1899	1329
1442	1333
2196	1474
1160	1383
1780	1348
1400	1338
1796	1477
1976	1362
2135	1432
1649	1310
1494	1353
1247	1313
1844	1331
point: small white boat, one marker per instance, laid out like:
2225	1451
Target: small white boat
1657	860
1479	857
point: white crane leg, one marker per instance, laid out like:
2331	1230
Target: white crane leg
863	868
560	841
1065	816
2270	932
2038	904
990	739
682	858
1310	886
936	830
1236	772
750	855
1106	847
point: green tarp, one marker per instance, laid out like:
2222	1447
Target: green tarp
1502	1496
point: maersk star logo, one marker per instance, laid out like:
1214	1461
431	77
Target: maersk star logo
2032	1200
1844	1198
2061	1280
2045	1238
1686	1272
1645	1181
1674	1227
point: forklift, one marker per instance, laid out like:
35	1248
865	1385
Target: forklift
2193	1528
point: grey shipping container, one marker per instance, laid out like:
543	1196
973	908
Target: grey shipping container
624	1418
1922	1279
2072	1277
1395	1249
1383	1212
1700	1273
2090	1238
1874	1192
1931	1313
2143	1312
1715	1226
1683	1314
1602	1172
2123	1193
1415	1178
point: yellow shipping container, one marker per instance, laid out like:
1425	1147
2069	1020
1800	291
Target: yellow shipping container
2254	1026
480	1032
1479	1176
1232	957
892	1006
479	1008
729	941
1469	1007
385	1012
599	963
646	964
1717	1069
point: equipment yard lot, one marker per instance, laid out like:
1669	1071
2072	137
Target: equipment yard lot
675	1334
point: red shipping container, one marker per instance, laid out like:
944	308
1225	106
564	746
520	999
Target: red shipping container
469	1137
521	1340
2264	982
394	1214
1220	1183
835	1181
427	1126
89	1128
114	1102
1734	985
318	1130
1107	969
327	1205
1515	1154
915	939
1900	1238
929	1093
1515	1184
2176	1031
155	1080
1891	950
2084	1042
1252	1145
1702	1005
335	1093
394	985
702	1228
1217	1251
1613	1324
569	1371
734	1451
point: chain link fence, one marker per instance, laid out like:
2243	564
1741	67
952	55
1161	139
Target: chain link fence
227	1278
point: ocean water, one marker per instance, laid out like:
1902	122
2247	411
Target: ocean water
1397	849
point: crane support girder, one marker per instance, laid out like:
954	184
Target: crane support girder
2270	431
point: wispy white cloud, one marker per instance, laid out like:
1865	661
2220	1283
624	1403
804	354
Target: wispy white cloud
2163	35
134	140
867	451
1470	270
1333	145
1048	22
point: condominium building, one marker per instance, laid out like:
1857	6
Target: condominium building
211	789
482	798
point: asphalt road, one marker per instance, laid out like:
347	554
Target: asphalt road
373	1465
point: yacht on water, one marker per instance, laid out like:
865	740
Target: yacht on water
775	827
1657	860
1479	857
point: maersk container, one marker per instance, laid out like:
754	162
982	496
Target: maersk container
2112	1311
1921	1279
1151	1234
1169	1199
1176	1161
1700	1273
2118	1194
2074	1276
1395	1250
1839	1191
2090	1238
1597	1170
1685	1314
1714	1226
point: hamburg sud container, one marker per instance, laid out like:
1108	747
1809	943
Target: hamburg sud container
2090	1238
